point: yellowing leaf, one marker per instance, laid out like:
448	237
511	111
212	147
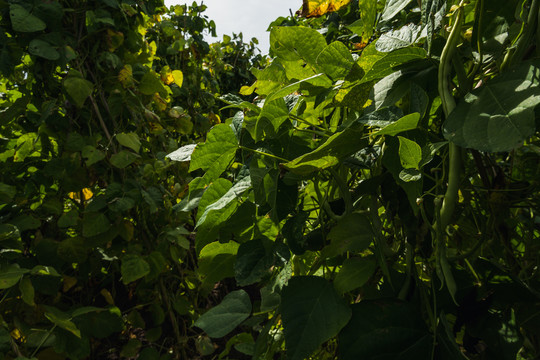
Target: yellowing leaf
215	118
107	295
114	39
125	76
68	283
166	75
314	8
160	102
86	194
178	77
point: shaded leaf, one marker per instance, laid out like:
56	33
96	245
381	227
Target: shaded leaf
11	276
123	159
224	318
22	20
129	140
335	60
253	262
405	333
78	88
216	261
61	319
43	49
352	233
312	313
354	273
133	268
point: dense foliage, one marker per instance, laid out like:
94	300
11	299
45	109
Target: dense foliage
370	193
94	94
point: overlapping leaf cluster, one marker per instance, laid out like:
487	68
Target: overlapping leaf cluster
94	263
355	217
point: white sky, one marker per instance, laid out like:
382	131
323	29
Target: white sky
251	17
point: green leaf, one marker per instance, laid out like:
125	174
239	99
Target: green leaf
312	313
354	273
95	223
408	122
500	115
151	84
43	49
335	60
405	333
337	147
224	318
296	43
92	155
216	261
217	153
11	276
133	268
78	88
385	65
123	159
392	8
7	192
231	195
274	113
23	21
397	39
27	291
253	262
61	319
410	153
409	175
182	154
352	233
129	140
73	250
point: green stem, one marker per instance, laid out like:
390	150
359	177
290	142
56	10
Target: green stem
263	153
516	54
344	190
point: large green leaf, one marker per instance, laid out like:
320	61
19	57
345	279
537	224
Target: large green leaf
22	20
130	140
43	49
354	273
335	60
408	122
381	66
296	43
352	233
183	153
11	276
410	153
151	84
213	193
95	223
336	148
312	313
216	154
253	262
231	195
273	114
61	319
386	330
224	318
123	159
133	268
78	88
216	261
397	39
393	7
500	115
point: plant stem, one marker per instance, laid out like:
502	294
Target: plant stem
263	153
